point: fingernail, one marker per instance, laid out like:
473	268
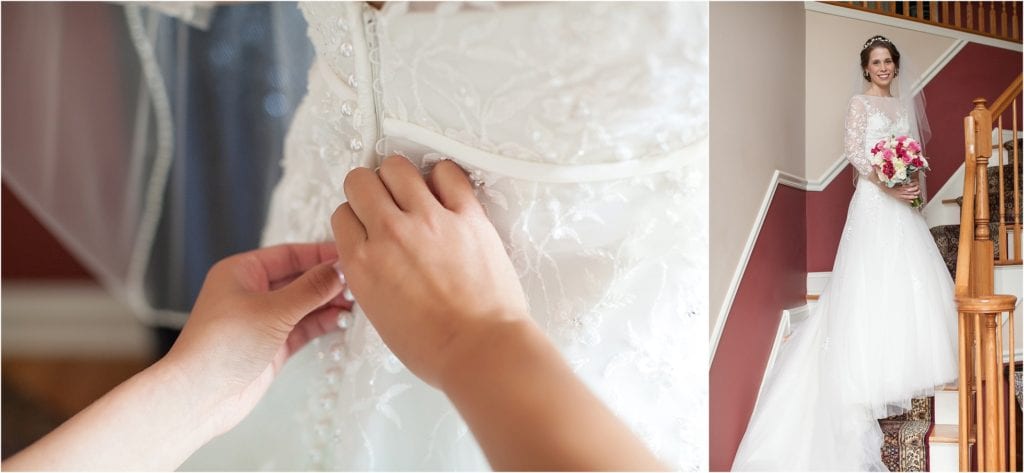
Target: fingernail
341	275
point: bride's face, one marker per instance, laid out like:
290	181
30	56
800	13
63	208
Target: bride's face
881	68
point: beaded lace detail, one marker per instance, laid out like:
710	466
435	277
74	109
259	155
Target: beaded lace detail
614	270
870	119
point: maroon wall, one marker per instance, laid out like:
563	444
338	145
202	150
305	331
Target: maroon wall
977	70
60	98
29	250
774	280
826	216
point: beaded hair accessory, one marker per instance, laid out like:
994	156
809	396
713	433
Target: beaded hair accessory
875	39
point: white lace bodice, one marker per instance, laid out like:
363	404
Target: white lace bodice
457	72
869	119
584	129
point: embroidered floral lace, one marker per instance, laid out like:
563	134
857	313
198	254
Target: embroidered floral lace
584	128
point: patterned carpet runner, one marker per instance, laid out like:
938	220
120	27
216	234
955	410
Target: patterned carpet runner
905	443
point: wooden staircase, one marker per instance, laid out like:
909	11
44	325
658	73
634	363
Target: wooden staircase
987	427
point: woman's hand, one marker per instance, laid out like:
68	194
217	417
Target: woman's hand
424	262
254	311
904	192
432	276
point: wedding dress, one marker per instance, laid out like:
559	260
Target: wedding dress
883	332
584	129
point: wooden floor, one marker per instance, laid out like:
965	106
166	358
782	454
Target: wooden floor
39	394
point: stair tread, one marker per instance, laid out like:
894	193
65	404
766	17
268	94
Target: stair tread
947	433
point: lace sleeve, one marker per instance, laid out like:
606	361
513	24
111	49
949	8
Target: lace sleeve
856	131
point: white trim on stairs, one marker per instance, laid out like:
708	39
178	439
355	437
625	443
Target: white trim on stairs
816	281
778	178
789	318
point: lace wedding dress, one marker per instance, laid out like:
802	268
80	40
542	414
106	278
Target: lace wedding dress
584	129
883	332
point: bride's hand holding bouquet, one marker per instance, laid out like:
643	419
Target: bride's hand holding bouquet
897	161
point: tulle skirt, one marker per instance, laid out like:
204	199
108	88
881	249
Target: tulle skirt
883	332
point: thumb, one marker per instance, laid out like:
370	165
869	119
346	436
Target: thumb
314	288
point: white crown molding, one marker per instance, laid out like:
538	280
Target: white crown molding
778	178
911	25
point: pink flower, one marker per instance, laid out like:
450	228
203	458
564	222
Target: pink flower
917	162
888	170
888	155
914	147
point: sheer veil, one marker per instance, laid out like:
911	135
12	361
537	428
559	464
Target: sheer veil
146	137
908	88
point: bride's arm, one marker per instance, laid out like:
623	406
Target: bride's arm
854	146
855	150
433	278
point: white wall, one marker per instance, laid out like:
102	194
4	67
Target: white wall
757	123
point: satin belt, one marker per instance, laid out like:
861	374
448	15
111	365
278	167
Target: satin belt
518	168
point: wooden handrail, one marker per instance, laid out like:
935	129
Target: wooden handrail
1006	98
981	344
986	25
963	253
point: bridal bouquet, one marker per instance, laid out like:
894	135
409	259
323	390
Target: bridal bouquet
896	159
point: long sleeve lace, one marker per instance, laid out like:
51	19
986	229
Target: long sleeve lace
856	132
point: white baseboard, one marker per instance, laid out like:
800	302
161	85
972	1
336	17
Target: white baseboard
69	319
816	282
790	317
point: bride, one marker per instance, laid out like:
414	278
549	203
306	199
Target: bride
584	128
883	331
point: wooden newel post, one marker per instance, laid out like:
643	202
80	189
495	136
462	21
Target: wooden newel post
981	268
